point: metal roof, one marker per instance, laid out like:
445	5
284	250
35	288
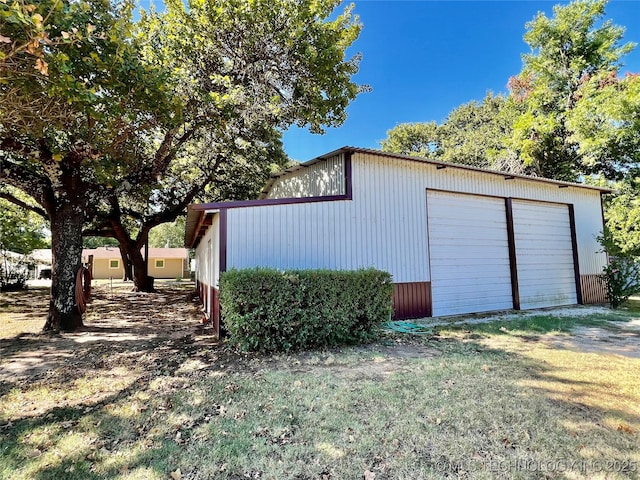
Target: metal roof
412	158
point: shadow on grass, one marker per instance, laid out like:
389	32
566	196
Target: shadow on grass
114	325
450	415
302	417
99	436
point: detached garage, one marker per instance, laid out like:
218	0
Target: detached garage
456	239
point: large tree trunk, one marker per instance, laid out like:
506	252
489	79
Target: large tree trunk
66	247
127	266
131	255
141	277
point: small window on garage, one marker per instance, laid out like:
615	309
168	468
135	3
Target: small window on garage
159	263
114	263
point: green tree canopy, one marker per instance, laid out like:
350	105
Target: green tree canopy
21	229
416	139
168	234
574	56
116	124
472	134
244	72
74	87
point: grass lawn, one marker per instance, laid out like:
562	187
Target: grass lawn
143	394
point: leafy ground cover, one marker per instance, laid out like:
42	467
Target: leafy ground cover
144	393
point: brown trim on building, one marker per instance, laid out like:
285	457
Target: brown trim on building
513	262
411	300
266	202
285	201
200	226
216	315
192	238
574	246
214	312
593	289
348	176
223	241
428	233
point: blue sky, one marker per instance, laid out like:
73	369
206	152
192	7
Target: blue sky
424	58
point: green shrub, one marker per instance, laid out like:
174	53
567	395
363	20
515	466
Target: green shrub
621	279
268	310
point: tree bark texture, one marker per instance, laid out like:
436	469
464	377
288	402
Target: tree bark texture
140	275
127	266
67	222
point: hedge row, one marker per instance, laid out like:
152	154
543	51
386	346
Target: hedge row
268	310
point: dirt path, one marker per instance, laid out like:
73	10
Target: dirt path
617	338
117	325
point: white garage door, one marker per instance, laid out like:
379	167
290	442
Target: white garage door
544	253
469	254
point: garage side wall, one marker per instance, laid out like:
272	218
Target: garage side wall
338	235
207	258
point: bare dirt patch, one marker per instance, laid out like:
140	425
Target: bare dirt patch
121	327
616	338
370	361
146	333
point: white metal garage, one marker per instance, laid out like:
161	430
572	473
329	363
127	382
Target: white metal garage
476	241
544	252
470	270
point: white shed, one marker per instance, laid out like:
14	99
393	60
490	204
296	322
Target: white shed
456	239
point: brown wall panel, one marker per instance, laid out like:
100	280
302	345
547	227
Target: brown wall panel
593	290
411	300
214	307
215	311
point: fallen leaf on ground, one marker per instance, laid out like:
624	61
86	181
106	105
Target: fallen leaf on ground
624	428
34	453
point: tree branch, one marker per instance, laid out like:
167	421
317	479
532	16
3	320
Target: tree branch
109	233
166	152
25	205
23	178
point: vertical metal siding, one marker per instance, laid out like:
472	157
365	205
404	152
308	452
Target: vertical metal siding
588	218
411	300
546	275
321	179
422	175
593	289
383	226
207	255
